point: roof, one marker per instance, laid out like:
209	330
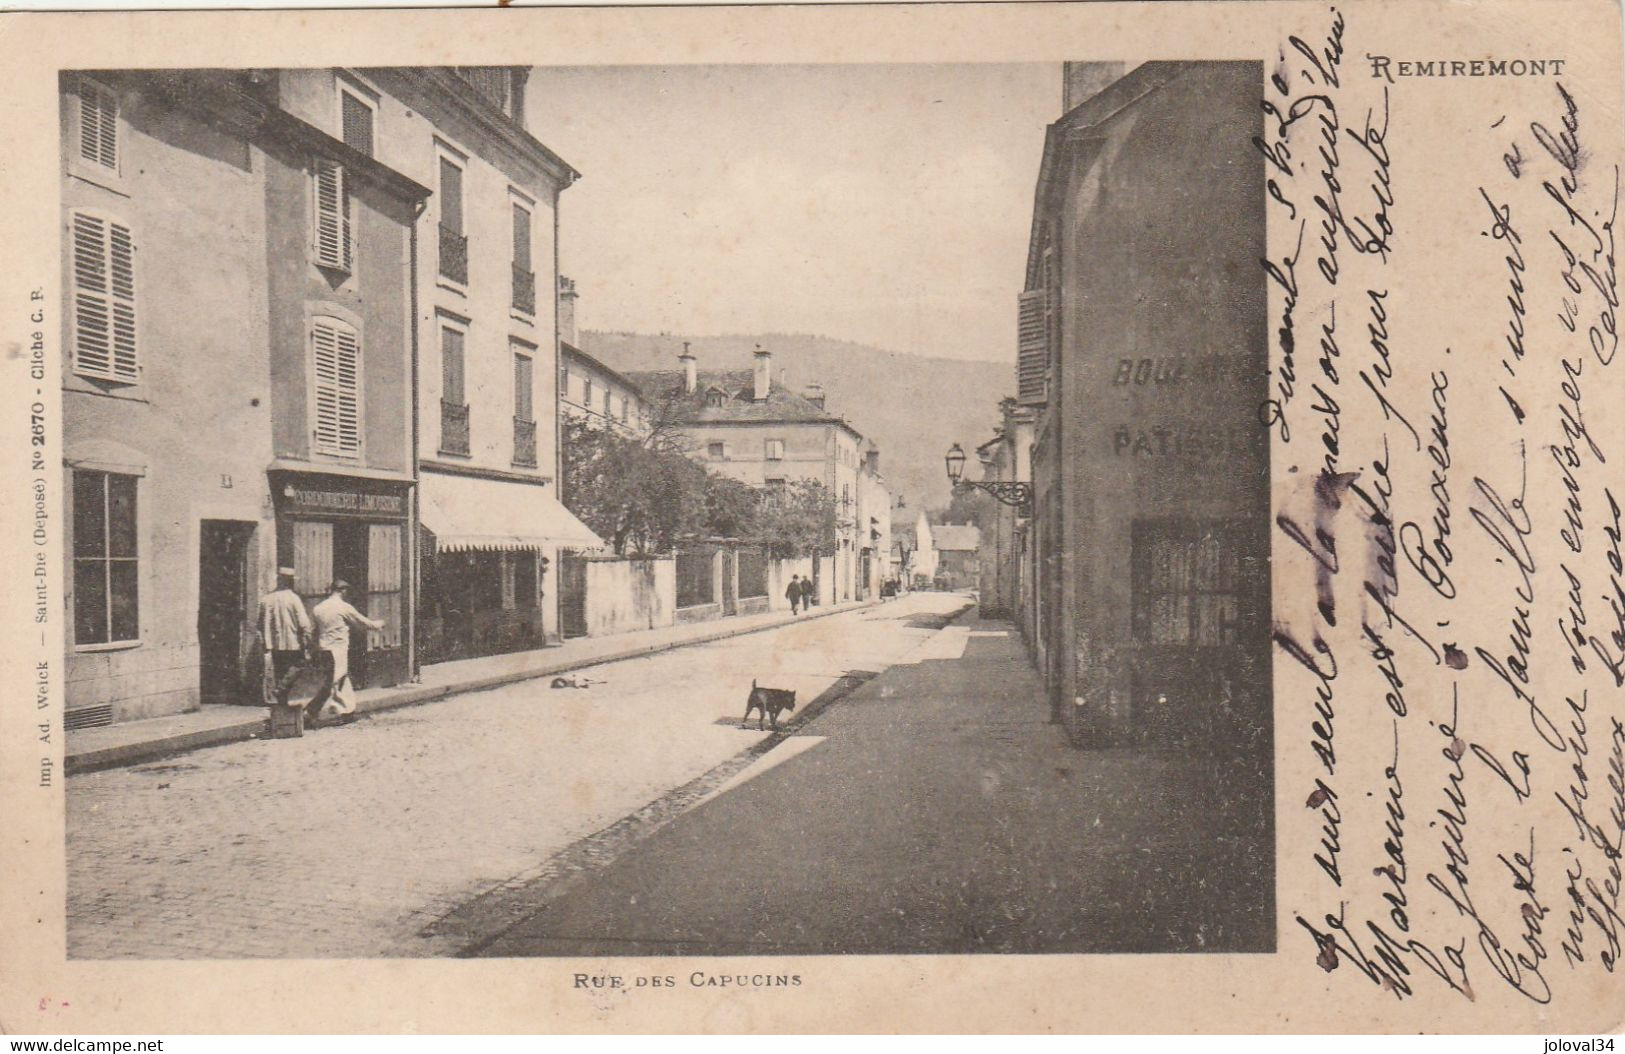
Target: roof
1092	112
573	352
950	537
780	406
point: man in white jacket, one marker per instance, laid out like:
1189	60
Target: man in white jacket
333	618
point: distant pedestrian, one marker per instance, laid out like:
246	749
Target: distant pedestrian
809	593
333	619
792	593
286	637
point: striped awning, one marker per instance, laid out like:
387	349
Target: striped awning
468	513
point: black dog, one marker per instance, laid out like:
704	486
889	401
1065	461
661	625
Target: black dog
769	702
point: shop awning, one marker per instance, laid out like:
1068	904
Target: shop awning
468	513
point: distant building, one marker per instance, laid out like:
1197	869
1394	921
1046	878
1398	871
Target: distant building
590	391
1006	543
238	357
873	525
925	550
957	555
738	423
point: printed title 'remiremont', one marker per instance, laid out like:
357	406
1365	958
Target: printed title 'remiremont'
1384	67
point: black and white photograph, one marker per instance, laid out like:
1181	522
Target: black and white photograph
594	511
1091	518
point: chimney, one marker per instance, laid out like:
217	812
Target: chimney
814	393
1084	80
764	373
691	379
567	310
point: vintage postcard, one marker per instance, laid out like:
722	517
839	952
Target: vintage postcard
1010	517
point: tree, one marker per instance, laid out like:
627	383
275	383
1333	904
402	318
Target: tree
732	508
638	497
800	518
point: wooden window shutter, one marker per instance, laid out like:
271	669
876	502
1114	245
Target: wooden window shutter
357	121
333	240
336	368
451	196
521	237
1032	348
524	380
98	126
104	332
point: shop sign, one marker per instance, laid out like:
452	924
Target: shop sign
342	502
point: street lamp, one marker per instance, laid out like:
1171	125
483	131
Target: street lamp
1018	495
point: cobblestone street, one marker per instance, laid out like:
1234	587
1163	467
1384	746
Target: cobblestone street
349	841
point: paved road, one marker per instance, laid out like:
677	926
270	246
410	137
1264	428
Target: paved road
934	810
352	841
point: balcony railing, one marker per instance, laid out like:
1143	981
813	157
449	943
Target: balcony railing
524	290
524	442
453	428
453	255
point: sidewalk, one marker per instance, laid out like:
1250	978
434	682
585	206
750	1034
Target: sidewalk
133	742
934	811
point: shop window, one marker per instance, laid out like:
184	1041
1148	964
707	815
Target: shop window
524	578
1188	582
105	561
104	299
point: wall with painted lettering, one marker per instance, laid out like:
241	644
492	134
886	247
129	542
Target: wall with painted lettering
1164	361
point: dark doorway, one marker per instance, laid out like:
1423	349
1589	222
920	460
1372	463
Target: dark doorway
572	595
223	620
350	565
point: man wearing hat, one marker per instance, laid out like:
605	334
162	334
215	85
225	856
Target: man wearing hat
333	618
285	634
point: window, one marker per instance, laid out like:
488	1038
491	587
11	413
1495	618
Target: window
452	366
333	242
105	580
716	397
453	242
564	383
524	383
454	430
98	127
104	333
524	280
624	412
775	449
356	116
606	403
586	392
524	407
1190	581
336	370
775	483
716	451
